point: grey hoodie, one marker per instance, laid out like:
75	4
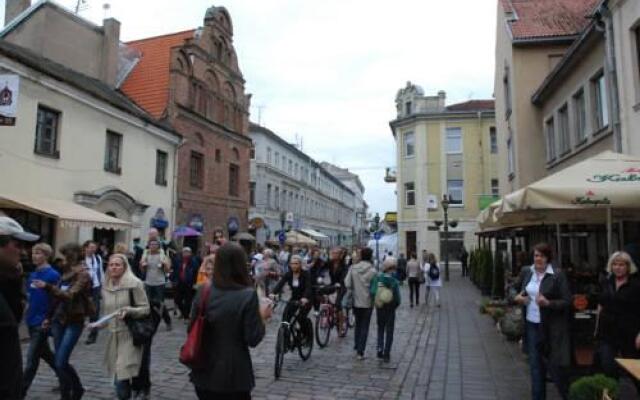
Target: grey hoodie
358	280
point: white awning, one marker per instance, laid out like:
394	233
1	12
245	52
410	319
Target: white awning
314	234
68	213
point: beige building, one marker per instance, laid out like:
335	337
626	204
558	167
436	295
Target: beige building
442	149
78	143
529	44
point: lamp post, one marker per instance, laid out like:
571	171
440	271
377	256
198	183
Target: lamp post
376	236
445	208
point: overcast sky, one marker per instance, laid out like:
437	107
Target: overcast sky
329	70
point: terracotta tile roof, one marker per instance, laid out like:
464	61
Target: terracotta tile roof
473	105
548	18
148	83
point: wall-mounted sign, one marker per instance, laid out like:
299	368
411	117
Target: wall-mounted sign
196	222
159	220
233	225
432	202
9	90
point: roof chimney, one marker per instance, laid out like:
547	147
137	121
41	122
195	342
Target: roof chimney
110	51
13	8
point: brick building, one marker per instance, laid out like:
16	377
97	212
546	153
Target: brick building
192	80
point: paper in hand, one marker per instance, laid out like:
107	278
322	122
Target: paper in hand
102	321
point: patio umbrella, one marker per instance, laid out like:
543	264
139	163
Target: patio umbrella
244	236
185	231
294	237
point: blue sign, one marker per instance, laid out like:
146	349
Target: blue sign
282	237
377	235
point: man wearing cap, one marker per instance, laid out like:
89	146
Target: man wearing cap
184	272
11	305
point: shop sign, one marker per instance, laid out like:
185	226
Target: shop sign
9	90
257	222
159	220
196	222
233	225
628	175
590	199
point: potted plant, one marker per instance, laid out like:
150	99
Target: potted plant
593	387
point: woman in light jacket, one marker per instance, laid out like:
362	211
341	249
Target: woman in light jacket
358	281
432	278
122	358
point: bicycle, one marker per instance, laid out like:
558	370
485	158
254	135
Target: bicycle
327	318
291	336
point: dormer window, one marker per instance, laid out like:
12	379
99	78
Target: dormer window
408	108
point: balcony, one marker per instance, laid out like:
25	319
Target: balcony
390	175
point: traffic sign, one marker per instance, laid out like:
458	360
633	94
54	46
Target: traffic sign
377	235
282	236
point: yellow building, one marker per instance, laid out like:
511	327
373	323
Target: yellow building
440	150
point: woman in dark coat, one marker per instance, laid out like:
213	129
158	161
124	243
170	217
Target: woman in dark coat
544	293
618	313
234	323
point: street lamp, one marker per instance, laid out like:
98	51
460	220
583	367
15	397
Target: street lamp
376	236
445	207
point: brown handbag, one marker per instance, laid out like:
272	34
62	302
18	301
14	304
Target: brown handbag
192	353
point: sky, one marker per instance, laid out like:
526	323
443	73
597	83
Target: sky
326	72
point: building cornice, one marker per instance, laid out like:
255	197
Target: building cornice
451	115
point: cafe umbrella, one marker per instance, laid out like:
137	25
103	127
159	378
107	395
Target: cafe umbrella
185	231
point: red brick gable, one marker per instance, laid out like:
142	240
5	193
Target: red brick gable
548	18
473	105
148	83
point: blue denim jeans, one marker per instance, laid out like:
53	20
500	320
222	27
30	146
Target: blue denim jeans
363	319
155	295
539	366
386	317
65	339
38	348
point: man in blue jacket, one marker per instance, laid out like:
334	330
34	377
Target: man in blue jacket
183	276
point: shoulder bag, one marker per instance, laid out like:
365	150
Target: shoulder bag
192	353
141	329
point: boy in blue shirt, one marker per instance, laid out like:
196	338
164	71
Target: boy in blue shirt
39	304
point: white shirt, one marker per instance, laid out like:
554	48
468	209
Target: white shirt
532	289
94	265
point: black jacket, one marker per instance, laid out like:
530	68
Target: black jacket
555	318
619	319
303	289
11	365
233	325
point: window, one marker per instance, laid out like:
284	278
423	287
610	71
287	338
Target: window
269	196
218	155
493	140
112	153
196	170
563	125
252	153
290	167
601	111
277	200
234	179
277	159
580	116
495	188
550	132
408	108
161	168
454	140
284	162
268	155
409	194
296	170
47	132
252	194
511	161
409	144
455	191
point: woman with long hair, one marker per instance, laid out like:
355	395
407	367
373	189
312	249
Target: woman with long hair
124	294
234	322
72	305
432	278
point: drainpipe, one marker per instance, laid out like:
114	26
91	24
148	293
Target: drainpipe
604	17
174	192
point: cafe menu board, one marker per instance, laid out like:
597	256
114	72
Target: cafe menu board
9	90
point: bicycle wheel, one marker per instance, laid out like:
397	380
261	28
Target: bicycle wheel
323	328
305	339
342	326
280	350
350	317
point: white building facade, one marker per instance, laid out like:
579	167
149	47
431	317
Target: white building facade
286	184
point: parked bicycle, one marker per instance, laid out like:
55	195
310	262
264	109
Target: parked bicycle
330	316
296	333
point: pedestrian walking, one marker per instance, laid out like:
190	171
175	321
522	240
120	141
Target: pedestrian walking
401	269
141	385
544	293
464	259
358	280
234	322
414	274
156	265
432	277
95	265
618	326
183	276
12	237
40	302
385	290
71	306
125	295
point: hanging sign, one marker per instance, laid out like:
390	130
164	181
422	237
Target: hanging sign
9	89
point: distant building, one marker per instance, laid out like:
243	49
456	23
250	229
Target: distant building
359	218
289	186
442	149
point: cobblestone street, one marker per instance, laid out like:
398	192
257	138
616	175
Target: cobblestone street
451	352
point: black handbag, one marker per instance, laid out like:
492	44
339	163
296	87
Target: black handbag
142	329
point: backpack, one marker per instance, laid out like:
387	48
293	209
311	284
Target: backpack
434	272
384	295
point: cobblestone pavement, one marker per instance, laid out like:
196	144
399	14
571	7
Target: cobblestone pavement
449	352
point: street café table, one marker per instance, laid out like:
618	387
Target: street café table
630	365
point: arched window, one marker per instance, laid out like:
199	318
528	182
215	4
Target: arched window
199	139
236	154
